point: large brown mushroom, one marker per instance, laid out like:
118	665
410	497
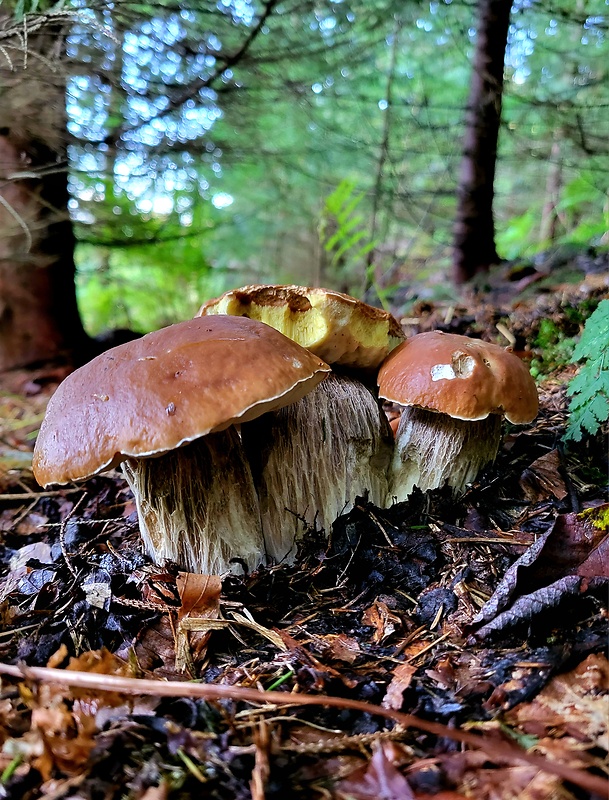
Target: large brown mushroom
311	460
456	391
165	407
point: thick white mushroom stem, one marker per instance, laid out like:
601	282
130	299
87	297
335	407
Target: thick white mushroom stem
433	449
197	505
310	460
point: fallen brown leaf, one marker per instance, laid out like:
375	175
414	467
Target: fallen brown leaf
155	650
402	676
200	596
379	779
342	647
317	669
543	480
573	553
379	617
574	704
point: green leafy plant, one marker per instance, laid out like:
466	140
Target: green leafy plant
342	231
582	208
589	389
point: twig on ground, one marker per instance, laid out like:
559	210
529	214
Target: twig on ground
497	750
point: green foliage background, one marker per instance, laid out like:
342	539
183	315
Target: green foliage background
209	141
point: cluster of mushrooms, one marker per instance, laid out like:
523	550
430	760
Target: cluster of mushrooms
263	412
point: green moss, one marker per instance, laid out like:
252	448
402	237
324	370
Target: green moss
553	349
598	517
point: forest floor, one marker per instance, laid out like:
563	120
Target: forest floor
439	648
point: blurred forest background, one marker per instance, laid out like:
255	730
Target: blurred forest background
189	147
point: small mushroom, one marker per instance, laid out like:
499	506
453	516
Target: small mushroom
165	407
456	391
311	460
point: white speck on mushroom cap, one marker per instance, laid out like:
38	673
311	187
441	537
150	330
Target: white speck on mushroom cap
462	367
442	372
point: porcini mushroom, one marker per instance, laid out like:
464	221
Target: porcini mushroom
456	391
165	406
335	326
311	460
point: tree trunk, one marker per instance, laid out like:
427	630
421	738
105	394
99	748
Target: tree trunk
474	231
39	319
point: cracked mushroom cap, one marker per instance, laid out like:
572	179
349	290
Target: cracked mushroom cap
465	378
170	387
336	327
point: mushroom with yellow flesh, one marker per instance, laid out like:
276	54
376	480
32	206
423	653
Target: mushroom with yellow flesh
339	328
165	406
310	461
456	391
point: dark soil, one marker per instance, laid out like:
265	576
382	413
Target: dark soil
399	607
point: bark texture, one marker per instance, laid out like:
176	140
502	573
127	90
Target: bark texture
474	232
39	319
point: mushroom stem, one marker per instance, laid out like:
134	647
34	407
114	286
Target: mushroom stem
432	449
197	505
311	459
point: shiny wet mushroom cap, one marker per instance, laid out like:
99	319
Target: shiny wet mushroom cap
456	391
165	406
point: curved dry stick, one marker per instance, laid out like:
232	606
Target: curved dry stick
500	751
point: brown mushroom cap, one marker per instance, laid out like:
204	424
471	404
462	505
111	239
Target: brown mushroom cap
465	378
336	327
168	388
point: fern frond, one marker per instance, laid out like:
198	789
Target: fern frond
589	389
342	231
595	334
